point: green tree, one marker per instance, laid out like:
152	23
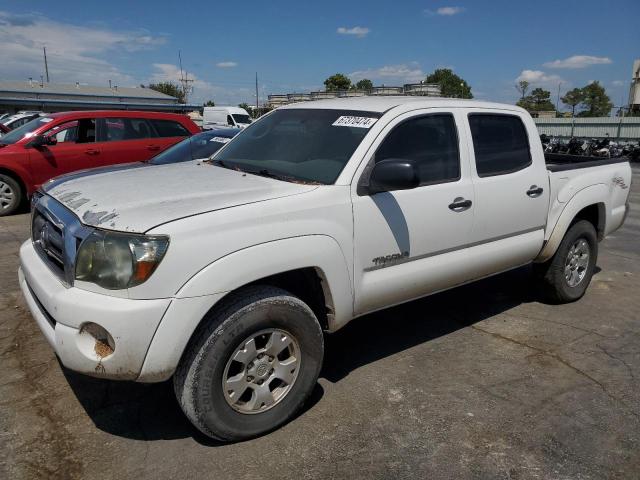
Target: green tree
451	85
541	100
209	103
523	87
596	102
168	88
337	82
245	106
573	98
364	84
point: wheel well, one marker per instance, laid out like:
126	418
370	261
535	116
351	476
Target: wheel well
595	214
17	178
309	285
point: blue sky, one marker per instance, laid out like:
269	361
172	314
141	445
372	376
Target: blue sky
294	46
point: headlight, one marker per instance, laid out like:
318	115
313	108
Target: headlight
116	261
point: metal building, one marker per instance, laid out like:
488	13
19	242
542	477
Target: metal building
627	128
52	97
422	89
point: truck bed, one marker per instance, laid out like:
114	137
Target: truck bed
558	162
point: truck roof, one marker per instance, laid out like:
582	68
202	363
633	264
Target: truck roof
383	103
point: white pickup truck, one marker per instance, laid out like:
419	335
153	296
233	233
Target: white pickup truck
223	274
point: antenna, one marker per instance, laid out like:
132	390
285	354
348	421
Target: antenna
185	80
46	66
257	93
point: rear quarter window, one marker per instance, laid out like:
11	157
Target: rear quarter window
500	143
170	128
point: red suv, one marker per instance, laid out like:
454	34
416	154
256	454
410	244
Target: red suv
59	143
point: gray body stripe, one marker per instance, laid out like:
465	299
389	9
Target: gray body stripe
448	250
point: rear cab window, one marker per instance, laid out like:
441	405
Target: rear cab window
500	143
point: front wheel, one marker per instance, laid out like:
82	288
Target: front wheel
10	195
252	365
566	276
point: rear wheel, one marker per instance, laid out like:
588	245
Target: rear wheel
10	195
567	275
252	365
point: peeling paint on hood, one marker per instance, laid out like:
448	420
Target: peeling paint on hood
138	199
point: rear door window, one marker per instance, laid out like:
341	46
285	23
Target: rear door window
500	144
169	128
118	129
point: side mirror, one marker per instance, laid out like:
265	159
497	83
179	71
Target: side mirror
393	174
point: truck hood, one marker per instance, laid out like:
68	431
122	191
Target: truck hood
136	198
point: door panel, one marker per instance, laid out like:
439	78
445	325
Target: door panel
512	194
399	236
76	150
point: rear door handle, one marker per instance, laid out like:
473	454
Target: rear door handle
460	204
153	148
92	151
535	191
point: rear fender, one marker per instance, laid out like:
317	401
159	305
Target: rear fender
592	195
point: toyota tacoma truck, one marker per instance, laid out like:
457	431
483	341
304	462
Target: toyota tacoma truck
225	274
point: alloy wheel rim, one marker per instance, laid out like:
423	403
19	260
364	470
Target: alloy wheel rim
261	371
577	262
7	195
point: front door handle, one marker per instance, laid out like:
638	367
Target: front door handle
460	204
535	191
153	148
92	151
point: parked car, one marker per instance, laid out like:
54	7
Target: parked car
3	130
198	147
15	121
59	143
224	274
213	117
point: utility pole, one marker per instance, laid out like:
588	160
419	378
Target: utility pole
46	66
558	99
257	93
184	80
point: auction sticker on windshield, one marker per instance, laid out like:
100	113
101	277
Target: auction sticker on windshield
360	122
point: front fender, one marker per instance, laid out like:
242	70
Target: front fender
592	195
210	285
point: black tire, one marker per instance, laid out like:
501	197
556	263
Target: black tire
9	190
551	274
198	378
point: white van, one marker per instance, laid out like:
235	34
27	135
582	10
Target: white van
213	117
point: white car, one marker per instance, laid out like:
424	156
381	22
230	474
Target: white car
14	121
225	274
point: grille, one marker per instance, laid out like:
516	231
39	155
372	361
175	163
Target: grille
56	234
48	239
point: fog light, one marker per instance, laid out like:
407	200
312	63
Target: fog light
96	340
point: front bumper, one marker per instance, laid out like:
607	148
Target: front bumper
63	314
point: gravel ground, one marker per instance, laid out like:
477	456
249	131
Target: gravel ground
479	382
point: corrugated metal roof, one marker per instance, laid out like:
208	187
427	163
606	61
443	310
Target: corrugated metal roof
72	89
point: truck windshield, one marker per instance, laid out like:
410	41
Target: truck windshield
241	118
25	130
309	145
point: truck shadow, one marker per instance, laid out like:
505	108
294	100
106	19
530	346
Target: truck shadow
151	412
